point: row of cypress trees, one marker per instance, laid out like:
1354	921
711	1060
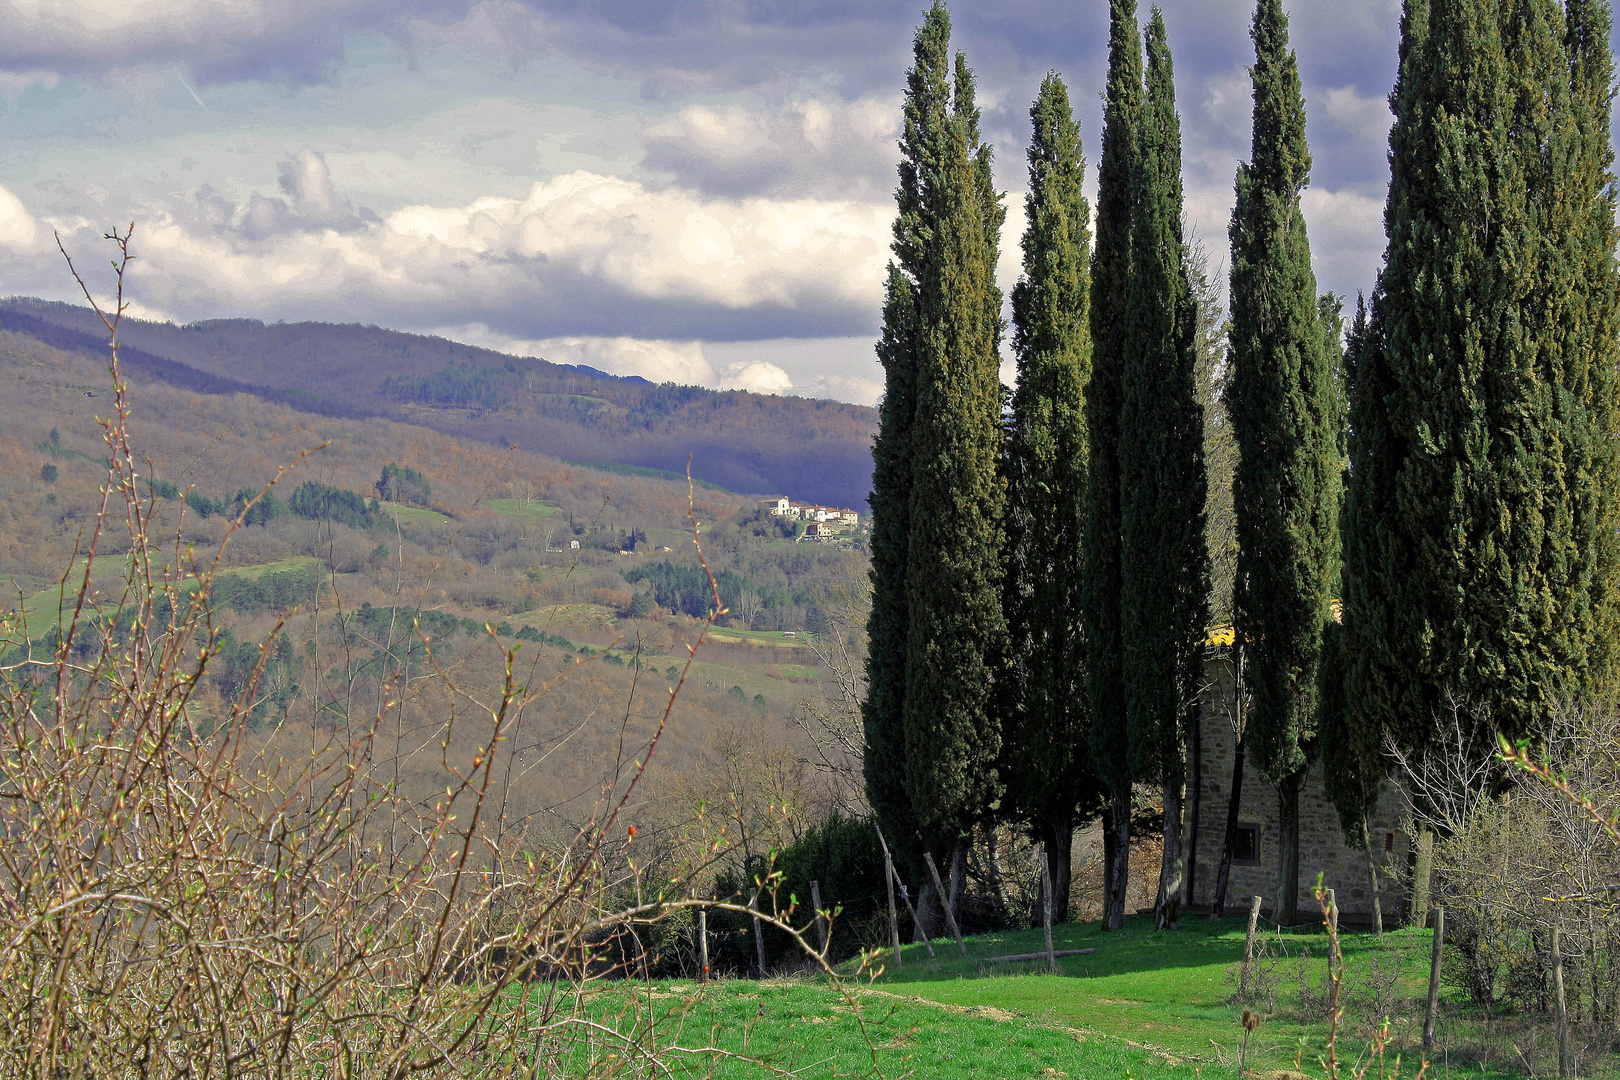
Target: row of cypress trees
1040	571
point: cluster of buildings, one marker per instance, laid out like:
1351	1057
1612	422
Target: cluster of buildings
821	522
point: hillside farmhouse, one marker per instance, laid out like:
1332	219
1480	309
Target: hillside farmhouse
1322	846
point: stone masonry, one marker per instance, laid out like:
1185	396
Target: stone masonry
1322	846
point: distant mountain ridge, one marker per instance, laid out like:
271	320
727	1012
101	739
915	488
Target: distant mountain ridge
817	449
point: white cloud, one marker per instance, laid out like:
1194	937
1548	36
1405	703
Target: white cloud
807	145
1366	119
1347	238
18	229
758	376
582	255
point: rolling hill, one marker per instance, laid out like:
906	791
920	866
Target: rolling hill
812	449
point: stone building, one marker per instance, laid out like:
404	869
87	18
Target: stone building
1322	846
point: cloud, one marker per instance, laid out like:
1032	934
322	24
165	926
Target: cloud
1347	238
758	376
292	41
803	147
581	255
18	229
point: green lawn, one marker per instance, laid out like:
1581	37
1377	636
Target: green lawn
1145	1004
758	637
520	508
414	515
1172	990
807	1028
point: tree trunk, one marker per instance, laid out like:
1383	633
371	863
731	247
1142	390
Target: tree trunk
1286	908
1058	840
1109	840
958	883
1174	865
1121	864
928	913
1195	800
1372	877
1234	807
1422	862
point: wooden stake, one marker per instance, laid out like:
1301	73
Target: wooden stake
703	945
944	902
894	876
1046	910
894	916
1566	1060
821	924
1248	946
1434	978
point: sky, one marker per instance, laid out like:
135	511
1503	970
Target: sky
690	190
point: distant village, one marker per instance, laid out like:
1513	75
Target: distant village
822	523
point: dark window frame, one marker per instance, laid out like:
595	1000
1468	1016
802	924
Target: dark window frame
1246	845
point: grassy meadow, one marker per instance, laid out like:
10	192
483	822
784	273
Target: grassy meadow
1143	1005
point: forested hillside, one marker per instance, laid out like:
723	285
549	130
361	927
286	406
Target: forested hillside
385	541
812	449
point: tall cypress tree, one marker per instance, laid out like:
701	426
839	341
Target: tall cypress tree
1049	772
888	622
1164	594
956	634
1100	589
1282	403
923	145
1479	544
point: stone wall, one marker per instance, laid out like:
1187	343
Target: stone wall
1322	847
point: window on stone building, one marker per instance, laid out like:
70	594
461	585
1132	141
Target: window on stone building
1246	847
1389	842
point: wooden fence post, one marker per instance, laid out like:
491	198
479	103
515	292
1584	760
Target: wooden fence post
944	902
1248	947
821	925
894	916
1566	1060
703	945
1046	910
1434	978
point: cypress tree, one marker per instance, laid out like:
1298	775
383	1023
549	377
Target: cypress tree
922	145
1100	589
888	622
1282	403
1480	539
1049	772
946	242
1591	347
1164	595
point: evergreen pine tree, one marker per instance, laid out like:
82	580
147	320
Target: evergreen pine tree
1480	538
1282	403
1049	772
1164	594
1100	589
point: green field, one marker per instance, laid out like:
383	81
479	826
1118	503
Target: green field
806	1028
530	509
40	609
414	515
1144	1004
759	637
